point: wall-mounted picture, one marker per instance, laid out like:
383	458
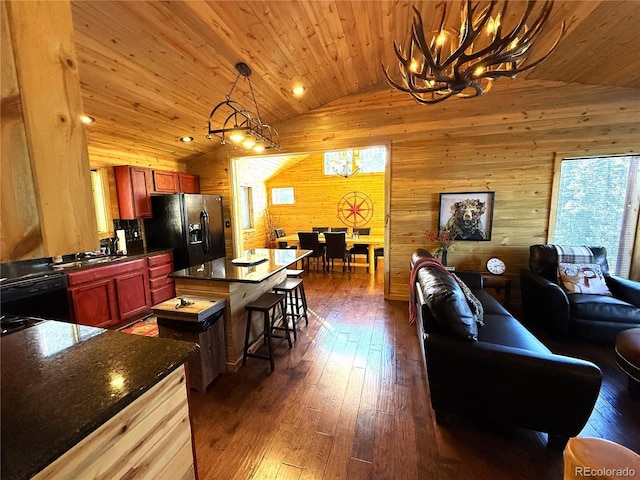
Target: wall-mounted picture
469	215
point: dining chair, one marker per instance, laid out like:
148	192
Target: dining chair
279	233
320	229
311	241
360	248
377	253
339	229
336	248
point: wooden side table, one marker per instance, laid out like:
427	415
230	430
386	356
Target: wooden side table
198	322
498	283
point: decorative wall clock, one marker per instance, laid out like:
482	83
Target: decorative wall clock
355	209
496	266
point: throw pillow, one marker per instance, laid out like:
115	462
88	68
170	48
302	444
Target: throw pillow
472	300
584	278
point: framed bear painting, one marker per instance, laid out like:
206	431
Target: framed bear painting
467	215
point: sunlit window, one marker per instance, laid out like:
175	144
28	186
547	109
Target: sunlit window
282	196
99	185
366	160
597	205
246	204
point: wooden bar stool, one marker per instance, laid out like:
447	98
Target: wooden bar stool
295	305
266	304
293	273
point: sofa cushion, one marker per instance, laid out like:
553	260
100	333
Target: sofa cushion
584	278
447	303
601	308
506	330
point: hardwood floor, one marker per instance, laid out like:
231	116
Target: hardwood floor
350	400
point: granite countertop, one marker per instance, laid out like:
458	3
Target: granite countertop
61	381
256	265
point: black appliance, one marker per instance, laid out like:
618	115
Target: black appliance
15	323
191	224
34	288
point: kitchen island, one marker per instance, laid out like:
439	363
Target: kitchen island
239	282
84	402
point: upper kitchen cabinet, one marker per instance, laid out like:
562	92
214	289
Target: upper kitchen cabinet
133	187
189	183
165	182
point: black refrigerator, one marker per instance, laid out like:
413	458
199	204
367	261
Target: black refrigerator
191	224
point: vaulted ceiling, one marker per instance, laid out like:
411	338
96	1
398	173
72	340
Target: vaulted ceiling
151	71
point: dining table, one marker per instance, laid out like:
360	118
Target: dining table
372	241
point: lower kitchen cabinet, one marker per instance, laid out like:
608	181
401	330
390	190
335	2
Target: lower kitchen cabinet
108	296
161	285
94	303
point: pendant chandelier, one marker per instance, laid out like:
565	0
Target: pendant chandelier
466	61
345	163
231	121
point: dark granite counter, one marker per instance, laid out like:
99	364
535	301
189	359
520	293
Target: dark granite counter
60	382
255	266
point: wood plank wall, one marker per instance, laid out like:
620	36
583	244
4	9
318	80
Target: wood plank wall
504	141
317	196
48	118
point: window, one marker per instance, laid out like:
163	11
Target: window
246	204
282	196
597	204
367	160
101	202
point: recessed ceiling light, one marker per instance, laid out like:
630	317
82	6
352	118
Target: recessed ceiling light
298	90
186	139
86	119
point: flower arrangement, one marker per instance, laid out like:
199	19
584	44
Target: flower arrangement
444	238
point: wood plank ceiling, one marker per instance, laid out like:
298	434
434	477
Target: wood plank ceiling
151	71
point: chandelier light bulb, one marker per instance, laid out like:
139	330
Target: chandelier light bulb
258	148
236	136
248	142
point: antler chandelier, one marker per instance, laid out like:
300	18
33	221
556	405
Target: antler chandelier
240	125
467	61
345	163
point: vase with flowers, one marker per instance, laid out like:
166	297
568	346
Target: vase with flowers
444	238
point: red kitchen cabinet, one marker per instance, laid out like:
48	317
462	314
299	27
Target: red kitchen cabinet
133	187
94	304
189	183
111	295
161	285
165	182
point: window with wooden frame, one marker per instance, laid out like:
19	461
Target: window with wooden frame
102	202
596	202
246	204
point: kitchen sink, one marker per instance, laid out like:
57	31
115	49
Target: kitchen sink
89	261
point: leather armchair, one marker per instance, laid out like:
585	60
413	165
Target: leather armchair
594	317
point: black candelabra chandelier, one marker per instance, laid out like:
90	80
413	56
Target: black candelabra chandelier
241	126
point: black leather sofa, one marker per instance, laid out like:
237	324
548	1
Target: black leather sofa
505	375
591	317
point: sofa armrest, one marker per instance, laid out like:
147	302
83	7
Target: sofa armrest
624	289
544	302
541	391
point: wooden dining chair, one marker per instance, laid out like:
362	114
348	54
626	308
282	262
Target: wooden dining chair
279	233
360	248
339	229
311	241
336	248
320	229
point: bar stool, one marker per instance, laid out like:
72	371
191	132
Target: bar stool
295	305
266	304
292	273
